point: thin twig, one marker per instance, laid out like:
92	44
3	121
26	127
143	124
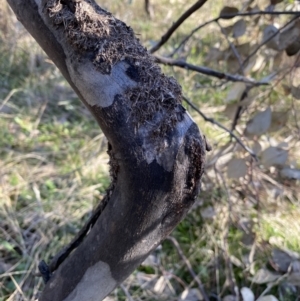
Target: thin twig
240	109
64	253
175	25
46	270
126	292
233	48
189	266
190	35
211	120
7	98
272	284
230	273
231	16
208	71
294	110
267	40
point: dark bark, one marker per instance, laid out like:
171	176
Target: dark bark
149	9
157	152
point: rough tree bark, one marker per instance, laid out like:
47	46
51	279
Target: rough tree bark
156	150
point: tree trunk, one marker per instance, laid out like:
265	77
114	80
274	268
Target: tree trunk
156	151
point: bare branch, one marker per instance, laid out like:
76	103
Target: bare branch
190	35
230	275
175	25
207	71
240	109
211	120
231	16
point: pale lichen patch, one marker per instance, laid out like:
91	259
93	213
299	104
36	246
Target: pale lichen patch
94	33
99	90
108	64
96	284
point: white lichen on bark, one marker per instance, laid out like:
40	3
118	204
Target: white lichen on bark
99	89
95	285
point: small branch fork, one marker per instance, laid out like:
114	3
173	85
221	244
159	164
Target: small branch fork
210	72
175	25
211	120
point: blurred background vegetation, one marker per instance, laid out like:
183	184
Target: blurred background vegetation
241	240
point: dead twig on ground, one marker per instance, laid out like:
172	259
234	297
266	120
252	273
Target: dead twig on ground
230	274
189	266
